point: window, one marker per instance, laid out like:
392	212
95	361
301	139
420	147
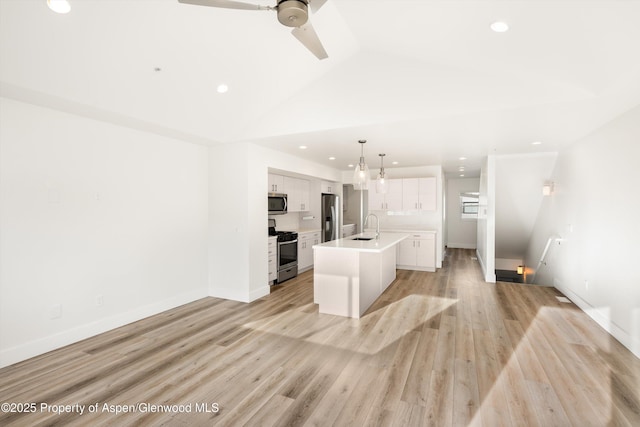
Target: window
469	205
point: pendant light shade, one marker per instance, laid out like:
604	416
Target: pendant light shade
361	171
382	182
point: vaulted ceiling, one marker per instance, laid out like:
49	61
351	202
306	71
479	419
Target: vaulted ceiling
424	81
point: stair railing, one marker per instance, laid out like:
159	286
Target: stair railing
543	260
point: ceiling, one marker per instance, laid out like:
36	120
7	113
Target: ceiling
423	81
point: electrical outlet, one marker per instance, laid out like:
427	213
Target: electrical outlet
99	301
55	311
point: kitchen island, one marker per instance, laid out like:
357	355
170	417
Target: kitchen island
350	274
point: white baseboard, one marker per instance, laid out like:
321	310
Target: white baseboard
42	345
229	294
461	245
234	295
627	340
259	293
415	268
489	278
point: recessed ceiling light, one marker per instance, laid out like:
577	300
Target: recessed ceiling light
536	143
462	158
394	163
332	158
222	88
461	168
59	6
303	147
461	175
500	27
349	165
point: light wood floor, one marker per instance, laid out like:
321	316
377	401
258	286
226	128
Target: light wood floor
436	349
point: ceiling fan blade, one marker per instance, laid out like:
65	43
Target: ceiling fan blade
316	4
308	37
227	4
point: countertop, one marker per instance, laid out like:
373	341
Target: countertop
408	230
385	241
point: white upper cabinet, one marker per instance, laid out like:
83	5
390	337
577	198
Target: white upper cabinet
428	194
297	191
389	201
419	194
276	183
328	187
304	186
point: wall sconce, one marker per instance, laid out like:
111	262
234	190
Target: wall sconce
547	188
520	269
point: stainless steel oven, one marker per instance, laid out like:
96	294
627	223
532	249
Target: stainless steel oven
287	256
287	252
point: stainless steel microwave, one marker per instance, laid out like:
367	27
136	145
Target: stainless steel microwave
277	204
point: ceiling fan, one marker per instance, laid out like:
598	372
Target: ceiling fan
291	13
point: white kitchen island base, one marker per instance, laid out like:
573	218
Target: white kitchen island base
350	275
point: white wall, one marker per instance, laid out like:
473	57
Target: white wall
519	182
90	209
352	212
461	233
487	219
594	209
230	229
238	265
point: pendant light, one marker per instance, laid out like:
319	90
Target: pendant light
382	183
361	171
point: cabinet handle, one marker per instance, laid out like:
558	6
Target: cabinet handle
420	205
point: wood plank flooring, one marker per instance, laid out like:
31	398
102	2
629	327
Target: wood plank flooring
436	349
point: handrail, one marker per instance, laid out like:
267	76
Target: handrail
544	254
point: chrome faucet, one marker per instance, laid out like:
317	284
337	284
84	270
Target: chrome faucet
366	220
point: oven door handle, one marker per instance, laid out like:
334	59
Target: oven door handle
288	241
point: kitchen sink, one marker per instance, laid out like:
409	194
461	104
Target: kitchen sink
362	238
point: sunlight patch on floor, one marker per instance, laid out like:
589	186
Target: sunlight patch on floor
523	385
397	319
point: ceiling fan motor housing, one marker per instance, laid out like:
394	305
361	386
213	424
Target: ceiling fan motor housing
292	13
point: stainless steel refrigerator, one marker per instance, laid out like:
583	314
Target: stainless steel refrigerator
330	217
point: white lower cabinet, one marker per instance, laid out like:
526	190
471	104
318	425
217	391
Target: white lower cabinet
417	252
273	259
306	241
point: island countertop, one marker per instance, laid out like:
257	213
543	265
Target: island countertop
383	242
